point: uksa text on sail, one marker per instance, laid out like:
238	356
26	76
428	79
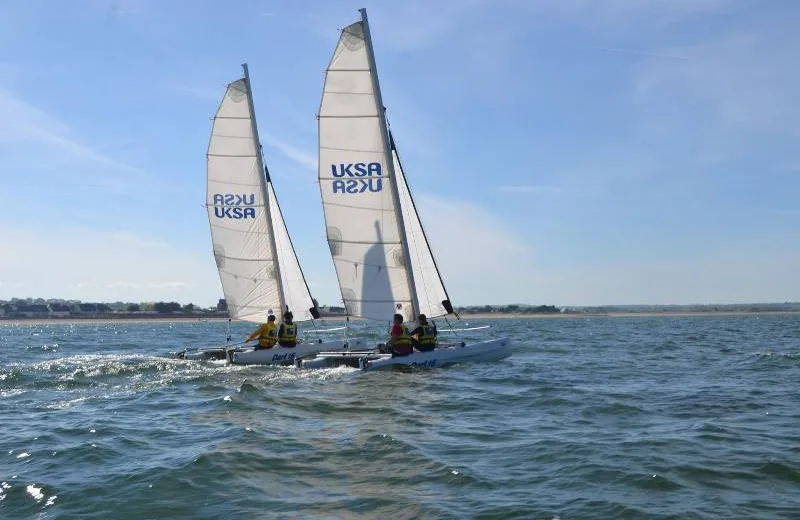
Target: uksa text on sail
365	177
234	205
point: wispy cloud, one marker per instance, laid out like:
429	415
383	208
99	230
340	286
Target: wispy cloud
301	157
148	285
23	122
745	80
664	12
528	188
642	53
197	92
416	25
134	240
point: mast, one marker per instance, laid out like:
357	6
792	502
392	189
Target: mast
389	164
264	179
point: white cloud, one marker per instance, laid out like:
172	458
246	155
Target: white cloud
100	266
483	262
740	274
480	260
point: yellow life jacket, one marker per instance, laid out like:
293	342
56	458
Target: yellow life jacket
428	336
289	333
403	339
268	335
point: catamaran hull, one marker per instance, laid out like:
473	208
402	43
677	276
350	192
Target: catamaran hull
271	356
481	352
286	356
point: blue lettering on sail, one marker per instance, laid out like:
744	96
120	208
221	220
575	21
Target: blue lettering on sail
234	205
357	183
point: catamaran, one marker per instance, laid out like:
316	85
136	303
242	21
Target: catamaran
257	263
383	260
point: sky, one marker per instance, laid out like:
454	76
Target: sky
579	152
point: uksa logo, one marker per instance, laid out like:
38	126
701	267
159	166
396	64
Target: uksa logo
357	177
234	205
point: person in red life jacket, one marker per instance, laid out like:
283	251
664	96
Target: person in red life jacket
400	341
267	334
424	336
287	332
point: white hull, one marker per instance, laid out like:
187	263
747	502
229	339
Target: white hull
283	356
481	352
272	356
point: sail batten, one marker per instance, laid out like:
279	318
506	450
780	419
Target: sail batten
255	259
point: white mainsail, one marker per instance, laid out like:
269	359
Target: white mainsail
363	191
255	259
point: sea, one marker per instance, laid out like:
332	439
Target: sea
651	417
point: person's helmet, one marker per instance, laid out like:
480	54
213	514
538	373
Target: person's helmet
421	318
398	317
271	317
288	315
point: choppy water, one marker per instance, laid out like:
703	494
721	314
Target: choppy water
641	417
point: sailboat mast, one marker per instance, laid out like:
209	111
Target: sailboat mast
265	192
390	165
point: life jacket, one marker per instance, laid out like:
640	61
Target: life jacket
402	344
288	337
428	336
268	336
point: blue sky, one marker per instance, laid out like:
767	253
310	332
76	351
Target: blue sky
571	153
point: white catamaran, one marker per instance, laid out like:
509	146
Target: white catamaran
257	264
382	257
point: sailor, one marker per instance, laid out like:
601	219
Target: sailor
267	334
400	341
287	332
424	336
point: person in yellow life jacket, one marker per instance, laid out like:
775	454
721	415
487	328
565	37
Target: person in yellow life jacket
400	341
424	336
267	334
287	332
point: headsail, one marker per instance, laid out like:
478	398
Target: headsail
431	294
255	259
363	190
296	294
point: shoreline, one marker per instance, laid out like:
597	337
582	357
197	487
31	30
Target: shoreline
463	317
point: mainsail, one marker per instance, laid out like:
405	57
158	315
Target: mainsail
257	265
381	256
